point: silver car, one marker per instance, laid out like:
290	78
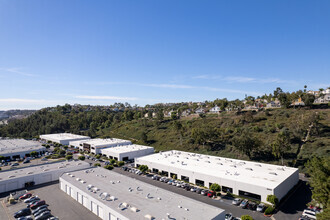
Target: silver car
261	207
236	201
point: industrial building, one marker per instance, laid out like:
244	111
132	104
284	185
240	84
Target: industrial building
127	152
34	175
63	138
19	148
245	178
95	145
112	196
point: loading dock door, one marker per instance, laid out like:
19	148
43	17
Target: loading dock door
68	190
72	194
12	186
100	212
80	199
85	202
94	208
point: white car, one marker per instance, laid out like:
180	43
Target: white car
309	213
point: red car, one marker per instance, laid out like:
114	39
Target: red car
211	194
37	204
25	196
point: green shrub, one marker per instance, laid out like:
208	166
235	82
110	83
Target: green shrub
68	157
109	167
81	157
269	210
97	164
215	187
98	156
69	153
112	161
55	156
272	199
48	157
143	168
246	217
121	163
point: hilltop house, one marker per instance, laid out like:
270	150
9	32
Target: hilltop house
298	102
186	113
215	109
200	111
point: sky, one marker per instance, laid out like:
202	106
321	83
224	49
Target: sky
145	52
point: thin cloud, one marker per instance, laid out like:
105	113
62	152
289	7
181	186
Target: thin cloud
18	71
15	100
206	77
172	86
106	98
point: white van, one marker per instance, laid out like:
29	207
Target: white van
309	213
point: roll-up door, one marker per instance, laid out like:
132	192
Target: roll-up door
72	194
80	199
85	202
68	190
94	208
100	212
112	217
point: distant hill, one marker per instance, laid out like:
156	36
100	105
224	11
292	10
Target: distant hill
15	114
289	135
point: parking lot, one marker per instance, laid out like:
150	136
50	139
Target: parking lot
290	209
60	204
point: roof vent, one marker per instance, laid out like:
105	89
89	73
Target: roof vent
248	168
11	176
78	179
186	209
134	209
179	206
150	217
259	165
273	173
280	168
46	170
159	198
30	173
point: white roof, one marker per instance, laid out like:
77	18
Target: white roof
8	146
137	195
63	136
125	149
47	167
260	174
101	142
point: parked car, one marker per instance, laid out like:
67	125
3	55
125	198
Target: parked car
252	206
44	159
261	207
25	196
25	218
23	212
53	218
32	203
211	194
15	164
193	189
43	216
41	211
39	208
244	203
199	191
204	192
228	216
309	213
26	161
37	204
236	201
187	187
155	177
31	199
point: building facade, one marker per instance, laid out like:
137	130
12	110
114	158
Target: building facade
63	138
19	148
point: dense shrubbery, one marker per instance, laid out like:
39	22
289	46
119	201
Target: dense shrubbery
143	168
109	167
81	157
215	187
97	164
246	217
269	210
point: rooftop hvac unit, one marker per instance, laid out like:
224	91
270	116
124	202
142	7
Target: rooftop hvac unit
150	217
134	209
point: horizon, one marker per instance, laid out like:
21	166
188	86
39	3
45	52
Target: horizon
146	52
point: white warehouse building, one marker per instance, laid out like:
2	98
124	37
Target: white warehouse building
127	152
112	196
63	138
95	145
34	175
19	148
244	178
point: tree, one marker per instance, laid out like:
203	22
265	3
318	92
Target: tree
112	161
109	167
308	99
319	170
246	143
284	99
281	144
97	164
65	147
160	115
143	168
269	210
179	128
277	92
62	152
174	115
68	157
98	156
150	114
215	187
246	217
121	163
144	137
272	199
81	157
34	153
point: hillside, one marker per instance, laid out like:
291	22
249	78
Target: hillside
261	136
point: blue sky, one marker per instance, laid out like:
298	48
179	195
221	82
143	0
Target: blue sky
144	52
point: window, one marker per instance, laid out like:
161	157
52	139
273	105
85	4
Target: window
125	158
185	178
199	182
227	189
164	173
174	175
249	195
155	170
210	184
